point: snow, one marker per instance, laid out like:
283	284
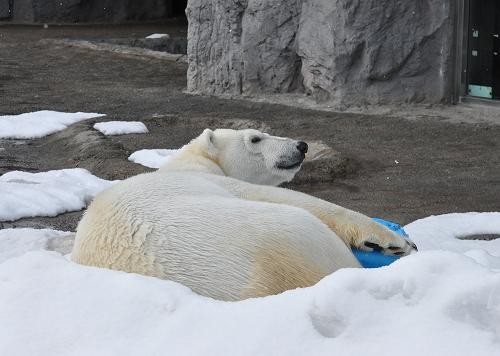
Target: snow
435	302
16	242
40	123
49	193
152	158
445	229
120	127
158	35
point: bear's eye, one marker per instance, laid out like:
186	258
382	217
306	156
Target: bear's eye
255	139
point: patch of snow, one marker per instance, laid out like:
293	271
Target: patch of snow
120	127
152	158
49	193
40	123
158	35
444	232
16	242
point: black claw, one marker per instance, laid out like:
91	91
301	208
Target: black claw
399	253
412	244
374	246
394	248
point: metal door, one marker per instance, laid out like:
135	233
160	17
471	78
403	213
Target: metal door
484	49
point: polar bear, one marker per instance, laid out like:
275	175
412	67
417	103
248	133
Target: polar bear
213	219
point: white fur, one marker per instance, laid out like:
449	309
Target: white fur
206	220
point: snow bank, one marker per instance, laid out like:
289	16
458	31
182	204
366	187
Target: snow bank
152	158
446	229
434	302
40	123
121	127
48	193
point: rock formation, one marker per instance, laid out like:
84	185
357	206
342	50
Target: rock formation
344	51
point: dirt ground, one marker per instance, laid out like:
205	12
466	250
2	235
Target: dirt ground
399	166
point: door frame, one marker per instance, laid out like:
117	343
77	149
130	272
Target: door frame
460	80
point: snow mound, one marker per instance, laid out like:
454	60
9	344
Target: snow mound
121	127
435	303
40	123
16	242
444	232
48	193
152	158
158	35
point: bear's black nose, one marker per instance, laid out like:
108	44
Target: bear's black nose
302	147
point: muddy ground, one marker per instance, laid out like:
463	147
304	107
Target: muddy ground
388	166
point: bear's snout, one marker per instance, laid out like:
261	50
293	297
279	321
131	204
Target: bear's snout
302	147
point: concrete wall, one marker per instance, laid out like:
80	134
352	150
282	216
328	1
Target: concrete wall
344	51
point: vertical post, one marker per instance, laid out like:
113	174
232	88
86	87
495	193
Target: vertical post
461	45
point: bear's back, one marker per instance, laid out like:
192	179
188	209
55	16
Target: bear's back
187	228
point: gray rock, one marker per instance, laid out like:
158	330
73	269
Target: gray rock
214	46
373	51
243	46
269	57
345	51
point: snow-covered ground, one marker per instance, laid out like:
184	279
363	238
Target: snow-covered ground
120	127
152	158
443	300
40	123
434	302
24	194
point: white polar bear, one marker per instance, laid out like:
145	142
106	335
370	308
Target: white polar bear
211	220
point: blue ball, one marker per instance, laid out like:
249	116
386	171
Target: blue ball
376	259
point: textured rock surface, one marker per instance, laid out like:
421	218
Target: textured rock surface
243	46
345	51
373	51
70	11
214	46
268	45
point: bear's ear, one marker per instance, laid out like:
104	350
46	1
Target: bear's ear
208	141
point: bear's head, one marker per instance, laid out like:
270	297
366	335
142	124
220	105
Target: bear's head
253	156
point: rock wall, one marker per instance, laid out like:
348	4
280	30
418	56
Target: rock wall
102	11
344	51
243	46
